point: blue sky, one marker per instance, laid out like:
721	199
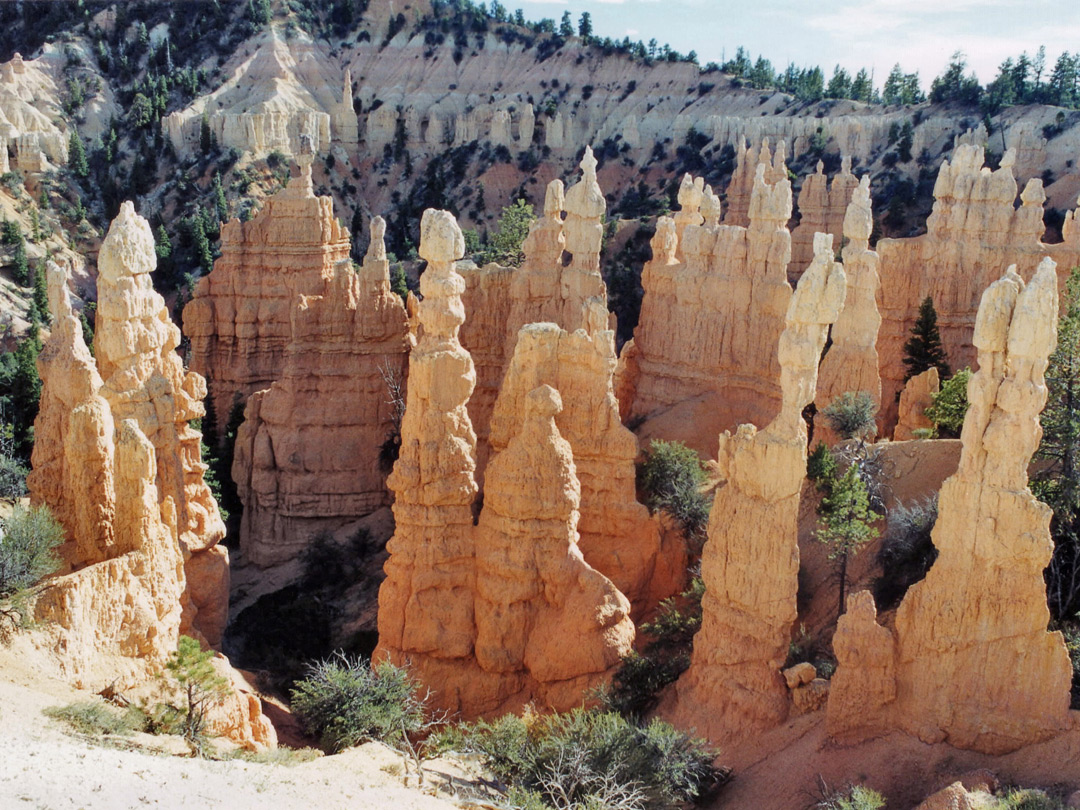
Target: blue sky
919	34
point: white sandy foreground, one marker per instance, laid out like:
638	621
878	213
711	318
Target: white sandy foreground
43	766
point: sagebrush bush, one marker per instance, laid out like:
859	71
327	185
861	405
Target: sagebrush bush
96	717
12	478
671	478
853	797
27	547
906	552
1030	799
592	758
851	415
345	702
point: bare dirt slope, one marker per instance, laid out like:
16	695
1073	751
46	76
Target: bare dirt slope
42	766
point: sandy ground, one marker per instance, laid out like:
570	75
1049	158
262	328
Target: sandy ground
44	766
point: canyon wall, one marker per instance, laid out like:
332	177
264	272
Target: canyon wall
703	358
482	611
239	320
974	664
822	206
311	453
750	563
973	235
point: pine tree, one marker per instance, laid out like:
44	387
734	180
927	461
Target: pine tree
25	391
923	349
566	25
206	137
845	523
585	26
20	262
41	294
77	155
398	282
220	202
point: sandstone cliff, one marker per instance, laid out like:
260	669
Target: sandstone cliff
916	397
240	317
479	610
823	206
973	235
851	363
974	663
116	460
750	563
309	455
703	358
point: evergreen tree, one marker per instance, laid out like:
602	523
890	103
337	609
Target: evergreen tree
398	282
41	294
505	245
206	137
839	84
862	89
845	523
203	253
566	25
25	392
585	26
19	261
87	330
35	225
1057	480
77	155
923	349
220	203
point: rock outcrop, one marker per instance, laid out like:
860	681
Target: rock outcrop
617	536
481	611
239	318
118	463
973	235
975	665
31	119
703	358
851	363
823	206
310	453
917	396
734	686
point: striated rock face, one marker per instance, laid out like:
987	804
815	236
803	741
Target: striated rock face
734	686
851	363
618	537
240	317
31	118
916	397
499	301
481	612
975	665
741	189
863	689
534	589
823	206
308	453
119	465
973	235
711	317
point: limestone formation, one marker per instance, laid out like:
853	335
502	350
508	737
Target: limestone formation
863	689
118	463
823	207
618	537
534	589
309	455
973	235
31	119
477	610
239	319
741	189
734	686
975	665
703	357
917	396
851	363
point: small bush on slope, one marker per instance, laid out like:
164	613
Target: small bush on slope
27	547
345	702
594	759
851	415
95	717
671	479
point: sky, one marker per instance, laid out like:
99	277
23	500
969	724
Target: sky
920	35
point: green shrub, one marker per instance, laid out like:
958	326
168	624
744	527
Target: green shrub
345	702
821	466
1030	799
636	685
12	477
853	797
950	404
906	551
595	759
27	547
671	478
851	415
202	686
96	717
